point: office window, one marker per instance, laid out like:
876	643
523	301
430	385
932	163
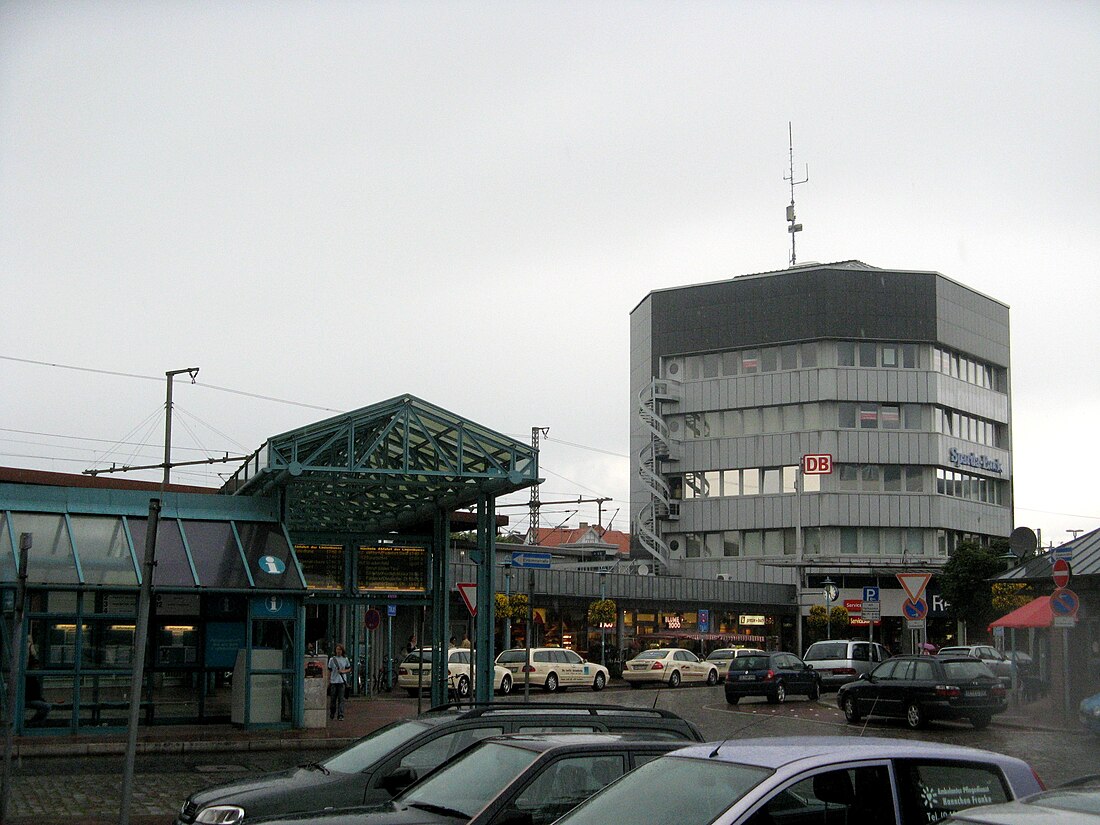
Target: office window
811	484
868	355
750	482
712	365
693	545
870	542
788	357
731	543
712	546
909	356
811	415
914	541
754	543
773	543
893	541
731	482
712	483
811	540
846	415
750	419
847	476
773	481
808	352
732	425
869	481
911	416
914	480
889	355
891	417
750	361
769	359
937	359
792	418
789	475
730	361
693	367
891	478
868	416
845	354
849	540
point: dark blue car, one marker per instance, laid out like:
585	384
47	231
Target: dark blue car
774	675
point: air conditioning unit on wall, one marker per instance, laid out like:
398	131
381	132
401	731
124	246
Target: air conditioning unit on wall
724	577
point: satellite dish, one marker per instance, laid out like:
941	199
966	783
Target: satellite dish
1022	541
643	569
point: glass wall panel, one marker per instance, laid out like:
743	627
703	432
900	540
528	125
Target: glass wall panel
693	545
847	476
809	354
215	553
868	416
712	546
909	356
730	360
769	359
811	484
773	481
731	482
914	541
846	415
869	478
712	483
50	560
845	354
849	540
912	418
789	476
8	566
891	478
712	365
772	422
811	414
788	357
268	555
914	480
891	417
731	543
870	539
792	418
751	421
732	426
750	482
889	355
754	543
693	367
893	541
173	569
103	550
773	542
868	355
750	361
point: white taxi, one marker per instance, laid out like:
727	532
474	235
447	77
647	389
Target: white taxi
552	668
668	665
458	673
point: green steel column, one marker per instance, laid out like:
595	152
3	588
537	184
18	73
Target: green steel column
484	654
441	605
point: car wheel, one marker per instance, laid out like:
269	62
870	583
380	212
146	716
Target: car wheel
851	714
815	691
506	685
600	682
981	721
914	716
462	688
551	683
779	695
674	679
733	700
712	678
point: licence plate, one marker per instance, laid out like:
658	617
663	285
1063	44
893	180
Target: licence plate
974	693
748	678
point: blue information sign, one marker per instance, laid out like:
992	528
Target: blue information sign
530	558
870	594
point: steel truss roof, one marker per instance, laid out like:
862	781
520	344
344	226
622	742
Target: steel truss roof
385	467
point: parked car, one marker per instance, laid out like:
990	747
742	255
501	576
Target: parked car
829	779
1002	666
1075	803
919	688
670	666
410	679
508	779
552	668
1089	711
774	675
841	660
721	657
385	762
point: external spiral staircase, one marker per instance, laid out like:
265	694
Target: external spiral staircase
659	446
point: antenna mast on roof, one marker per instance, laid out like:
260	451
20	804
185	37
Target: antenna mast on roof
793	227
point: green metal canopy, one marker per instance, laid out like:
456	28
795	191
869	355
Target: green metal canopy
390	466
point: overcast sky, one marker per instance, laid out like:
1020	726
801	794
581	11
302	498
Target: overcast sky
333	204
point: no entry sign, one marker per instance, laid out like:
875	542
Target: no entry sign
1061	573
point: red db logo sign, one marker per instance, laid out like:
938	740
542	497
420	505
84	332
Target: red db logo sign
817	465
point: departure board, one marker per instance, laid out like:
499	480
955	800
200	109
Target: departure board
393	568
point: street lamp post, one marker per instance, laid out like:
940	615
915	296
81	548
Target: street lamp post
603	629
829	591
508	595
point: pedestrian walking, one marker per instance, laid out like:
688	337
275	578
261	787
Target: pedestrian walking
32	695
339	669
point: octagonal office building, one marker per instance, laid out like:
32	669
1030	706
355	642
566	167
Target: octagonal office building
901	377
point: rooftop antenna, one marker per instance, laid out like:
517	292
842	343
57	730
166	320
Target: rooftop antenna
793	227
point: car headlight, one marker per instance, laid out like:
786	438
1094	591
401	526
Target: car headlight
220	815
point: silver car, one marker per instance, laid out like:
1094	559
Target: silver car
839	661
1002	666
869	781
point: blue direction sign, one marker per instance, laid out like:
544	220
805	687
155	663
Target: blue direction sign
530	558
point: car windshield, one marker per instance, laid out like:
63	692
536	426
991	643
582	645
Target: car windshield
471	779
957	651
672	789
374	746
826	650
749	663
417	656
512	656
720	654
1085	800
966	670
656	653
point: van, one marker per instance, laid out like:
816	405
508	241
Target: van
838	661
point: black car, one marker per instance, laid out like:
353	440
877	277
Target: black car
518	780
385	762
774	675
920	688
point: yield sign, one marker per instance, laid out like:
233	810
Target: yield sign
914	584
468	591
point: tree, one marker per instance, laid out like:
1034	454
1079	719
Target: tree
1009	596
965	584
602	611
503	606
818	618
838	620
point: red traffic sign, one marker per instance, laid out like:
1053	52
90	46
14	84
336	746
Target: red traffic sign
913	584
819	464
1064	602
372	619
915	609
1061	573
468	591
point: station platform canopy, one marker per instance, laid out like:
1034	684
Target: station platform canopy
389	467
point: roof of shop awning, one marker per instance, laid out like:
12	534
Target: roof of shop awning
389	466
1035	613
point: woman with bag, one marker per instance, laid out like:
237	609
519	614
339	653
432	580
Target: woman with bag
338	669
